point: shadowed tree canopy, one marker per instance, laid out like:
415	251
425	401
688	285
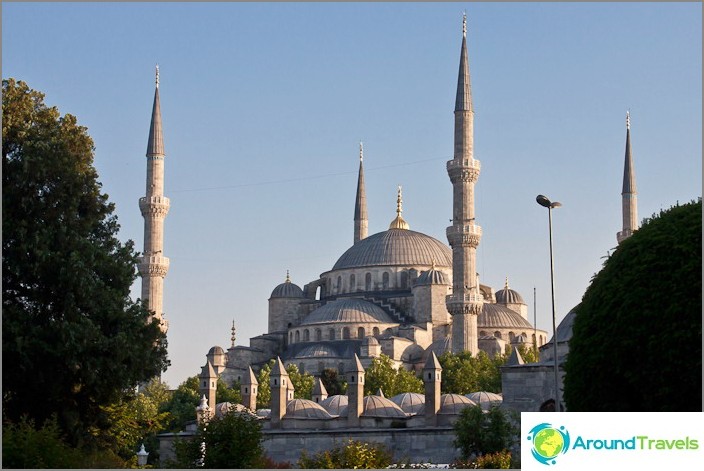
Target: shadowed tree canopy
72	339
636	343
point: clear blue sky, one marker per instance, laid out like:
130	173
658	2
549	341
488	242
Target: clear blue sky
264	106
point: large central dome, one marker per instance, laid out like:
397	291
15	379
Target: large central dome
396	247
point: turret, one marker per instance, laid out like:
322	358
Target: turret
355	393
432	377
248	389
629	198
279	383
319	393
208	384
466	301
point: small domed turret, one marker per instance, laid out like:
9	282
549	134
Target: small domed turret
287	289
508	296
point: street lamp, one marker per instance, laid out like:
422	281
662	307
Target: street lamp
142	456
546	203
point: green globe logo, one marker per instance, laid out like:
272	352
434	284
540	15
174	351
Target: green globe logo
548	442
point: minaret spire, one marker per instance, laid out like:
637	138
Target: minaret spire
361	223
466	301
629	199
153	266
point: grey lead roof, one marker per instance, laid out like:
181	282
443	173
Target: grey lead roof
629	176
463	101
155	144
396	247
496	315
350	310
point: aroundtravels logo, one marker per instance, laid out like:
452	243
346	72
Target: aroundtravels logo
548	442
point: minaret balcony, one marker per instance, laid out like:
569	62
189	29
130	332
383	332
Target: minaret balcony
153	265
467	303
463	170
465	235
154	206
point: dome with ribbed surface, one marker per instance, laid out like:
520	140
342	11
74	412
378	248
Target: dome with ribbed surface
377	406
497	316
395	247
287	290
432	277
485	399
410	403
349	310
317	350
454	403
508	296
336	405
305	409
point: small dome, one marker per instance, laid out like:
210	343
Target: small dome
410	403
486	400
264	413
336	405
454	403
508	296
377	406
499	316
564	329
305	409
432	277
223	408
439	347
348	310
287	290
216	351
370	341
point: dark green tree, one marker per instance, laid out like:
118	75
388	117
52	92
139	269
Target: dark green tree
232	441
477	432
182	405
462	373
72	339
334	383
637	335
302	384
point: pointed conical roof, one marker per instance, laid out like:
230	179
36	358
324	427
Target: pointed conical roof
319	388
249	378
155	144
380	393
360	206
357	364
279	369
629	176
432	363
463	101
515	358
208	371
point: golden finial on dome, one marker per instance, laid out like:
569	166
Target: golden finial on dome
232	337
288	277
398	222
506	284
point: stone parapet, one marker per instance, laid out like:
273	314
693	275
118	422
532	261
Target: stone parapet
464	170
157	206
153	265
467	235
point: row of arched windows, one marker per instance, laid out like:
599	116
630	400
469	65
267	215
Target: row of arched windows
386	283
304	335
512	336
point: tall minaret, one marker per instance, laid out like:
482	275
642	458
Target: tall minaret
629	199
466	301
361	223
154	206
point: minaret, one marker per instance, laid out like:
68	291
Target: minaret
465	302
629	199
361	223
154	207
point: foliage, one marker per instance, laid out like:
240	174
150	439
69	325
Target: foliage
72	339
462	373
637	338
528	353
353	455
225	394
334	383
382	374
499	460
302	384
477	432
230	441
24	446
182	405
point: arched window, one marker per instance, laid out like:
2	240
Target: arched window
404	279
298	336
511	336
368	282
385	280
339	284
353	283
360	333
389	331
318	335
290	337
346	333
497	334
375	331
306	336
331	334
533	338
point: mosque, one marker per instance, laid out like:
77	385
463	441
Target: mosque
399	292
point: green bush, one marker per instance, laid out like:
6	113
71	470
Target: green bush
498	460
353	455
477	432
25	446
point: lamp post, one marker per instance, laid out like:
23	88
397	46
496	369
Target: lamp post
142	456
546	203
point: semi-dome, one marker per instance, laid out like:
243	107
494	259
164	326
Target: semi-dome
410	403
350	310
287	290
377	406
432	277
508	296
305	409
498	316
395	247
